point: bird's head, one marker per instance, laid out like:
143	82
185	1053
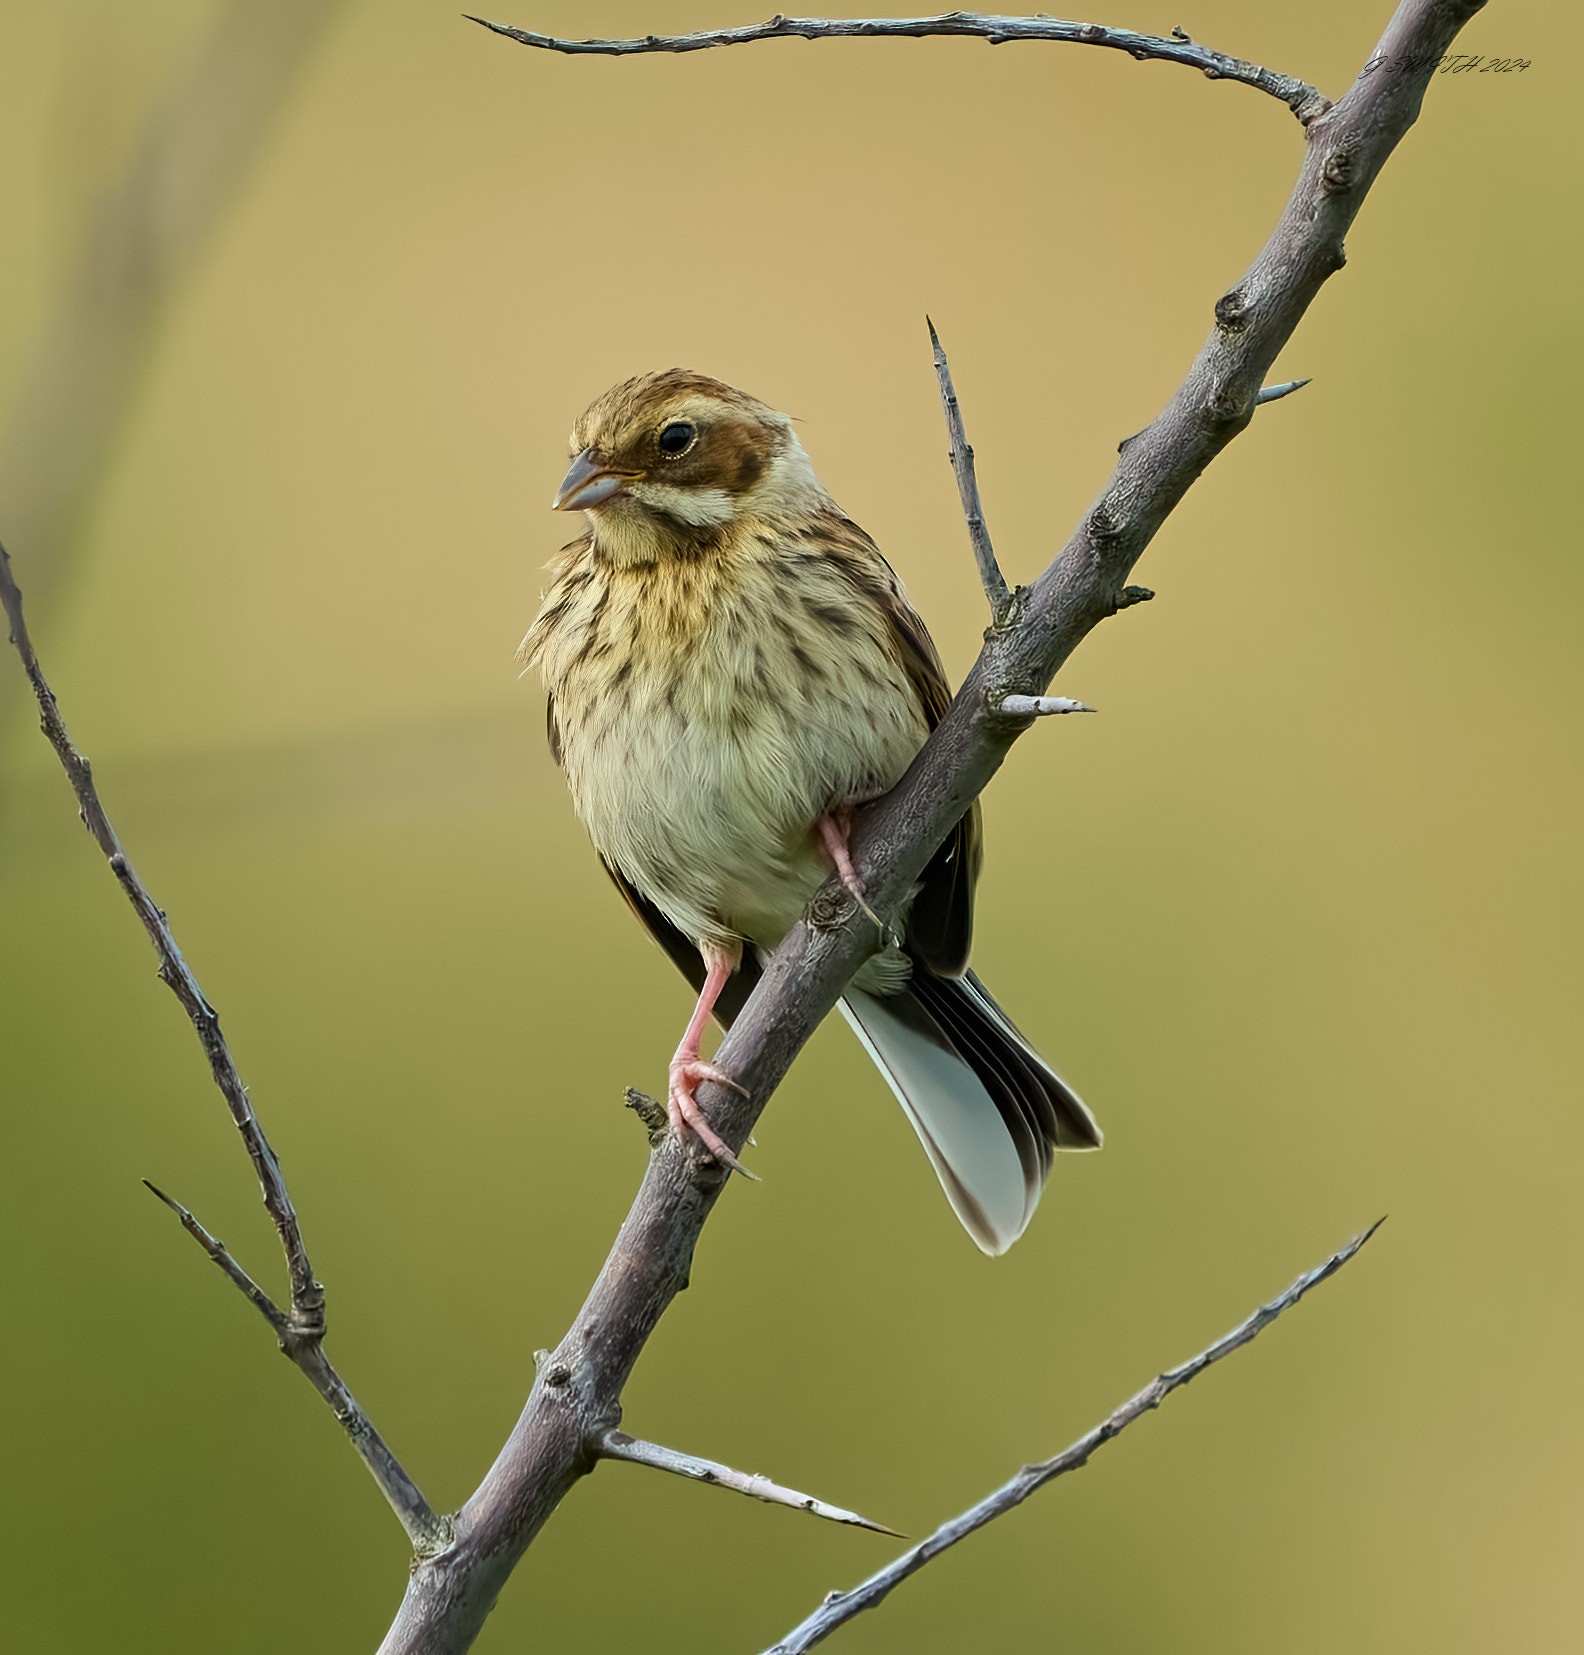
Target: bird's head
672	463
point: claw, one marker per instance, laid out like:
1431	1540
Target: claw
687	1117
833	830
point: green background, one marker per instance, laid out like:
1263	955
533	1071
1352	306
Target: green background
1298	912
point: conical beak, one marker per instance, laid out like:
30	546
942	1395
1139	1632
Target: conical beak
588	484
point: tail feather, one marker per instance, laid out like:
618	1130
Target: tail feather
988	1109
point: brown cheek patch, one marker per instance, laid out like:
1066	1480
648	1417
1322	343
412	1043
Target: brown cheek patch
743	458
729	457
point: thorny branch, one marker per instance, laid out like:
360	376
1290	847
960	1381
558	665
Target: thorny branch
840	1607
573	1409
557	1435
1304	101
300	1328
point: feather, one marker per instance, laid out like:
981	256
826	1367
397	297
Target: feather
987	1108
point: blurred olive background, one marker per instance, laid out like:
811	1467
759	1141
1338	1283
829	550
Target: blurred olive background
1298	912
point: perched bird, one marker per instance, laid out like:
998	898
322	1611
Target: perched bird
732	667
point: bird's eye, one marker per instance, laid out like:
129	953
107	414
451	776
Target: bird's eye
675	438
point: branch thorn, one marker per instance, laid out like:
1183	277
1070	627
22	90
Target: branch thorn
1040	706
617	1445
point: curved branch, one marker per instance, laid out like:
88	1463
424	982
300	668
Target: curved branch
575	1397
1304	101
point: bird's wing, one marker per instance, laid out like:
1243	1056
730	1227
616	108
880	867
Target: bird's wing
553	731
940	923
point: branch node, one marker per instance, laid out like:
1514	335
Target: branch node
1231	309
1274	393
652	1114
1103	526
831	906
1337	176
1130	595
1229	404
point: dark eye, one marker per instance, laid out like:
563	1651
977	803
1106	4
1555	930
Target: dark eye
675	438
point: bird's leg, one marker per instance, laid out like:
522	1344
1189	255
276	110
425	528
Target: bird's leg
834	829
688	1069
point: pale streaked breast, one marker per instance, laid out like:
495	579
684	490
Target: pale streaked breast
709	711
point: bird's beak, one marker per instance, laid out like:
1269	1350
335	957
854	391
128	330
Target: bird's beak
588	484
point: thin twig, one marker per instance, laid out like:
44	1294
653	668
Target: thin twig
301	1327
962	464
1304	101
840	1607
617	1445
217	1250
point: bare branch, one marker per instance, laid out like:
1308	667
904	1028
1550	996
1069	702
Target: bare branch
617	1445
300	1328
840	1607
307	1295
1040	706
962	464
1304	101
557	1435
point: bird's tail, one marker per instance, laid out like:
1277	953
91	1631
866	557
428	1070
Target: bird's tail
987	1107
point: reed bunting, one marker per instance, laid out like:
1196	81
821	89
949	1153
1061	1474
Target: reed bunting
732	666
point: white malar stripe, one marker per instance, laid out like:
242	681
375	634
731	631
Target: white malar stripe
699	508
956	1120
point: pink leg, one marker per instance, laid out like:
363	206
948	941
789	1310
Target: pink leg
833	829
688	1069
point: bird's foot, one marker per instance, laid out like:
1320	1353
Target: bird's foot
834	828
687	1116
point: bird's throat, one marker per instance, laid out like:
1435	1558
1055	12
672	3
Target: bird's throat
626	536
